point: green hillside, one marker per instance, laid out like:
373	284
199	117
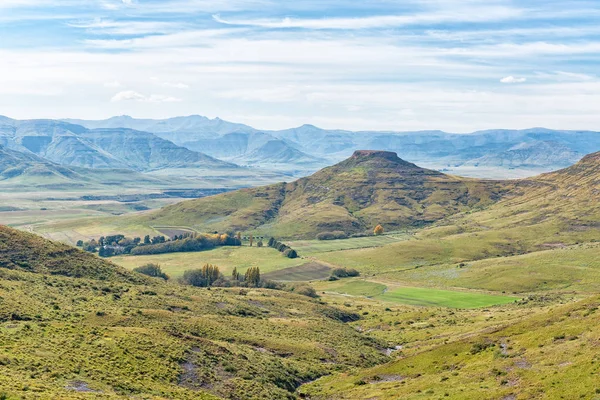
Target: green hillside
75	327
370	188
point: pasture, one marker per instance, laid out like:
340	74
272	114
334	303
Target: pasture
443	298
226	258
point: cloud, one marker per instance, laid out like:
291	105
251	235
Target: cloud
512	79
112	84
474	14
126	27
131	95
176	85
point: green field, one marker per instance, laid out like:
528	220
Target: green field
310	247
415	296
226	258
443	298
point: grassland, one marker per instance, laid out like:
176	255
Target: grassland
312	247
121	335
417	296
444	298
227	258
547	355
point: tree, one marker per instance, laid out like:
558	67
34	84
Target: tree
378	230
290	253
152	270
235	275
271	242
80	243
203	277
260	243
147	239
253	276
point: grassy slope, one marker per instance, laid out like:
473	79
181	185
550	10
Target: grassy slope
549	355
28	252
556	210
122	339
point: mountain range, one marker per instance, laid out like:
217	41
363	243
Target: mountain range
479	154
74	145
19	169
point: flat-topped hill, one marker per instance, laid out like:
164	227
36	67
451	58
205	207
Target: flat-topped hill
367	189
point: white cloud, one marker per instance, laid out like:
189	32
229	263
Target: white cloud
104	27
131	95
513	79
176	85
112	84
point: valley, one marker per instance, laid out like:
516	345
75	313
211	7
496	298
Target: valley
468	286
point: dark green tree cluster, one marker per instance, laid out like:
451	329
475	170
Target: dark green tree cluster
119	244
188	244
338	273
283	248
152	270
204	277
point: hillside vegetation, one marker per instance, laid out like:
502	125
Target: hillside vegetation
73	327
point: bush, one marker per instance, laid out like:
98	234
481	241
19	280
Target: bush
290	253
332	235
304	290
152	270
205	277
345	273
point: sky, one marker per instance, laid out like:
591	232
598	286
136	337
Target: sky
453	65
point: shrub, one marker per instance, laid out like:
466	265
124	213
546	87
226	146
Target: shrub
290	253
304	290
344	273
332	235
152	270
204	277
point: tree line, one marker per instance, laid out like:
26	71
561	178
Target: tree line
283	248
115	245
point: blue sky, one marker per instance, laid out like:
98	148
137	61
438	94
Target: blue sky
455	65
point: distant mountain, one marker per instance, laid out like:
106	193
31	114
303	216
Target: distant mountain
178	130
230	146
75	145
484	150
536	154
28	170
146	151
277	151
369	188
15	164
